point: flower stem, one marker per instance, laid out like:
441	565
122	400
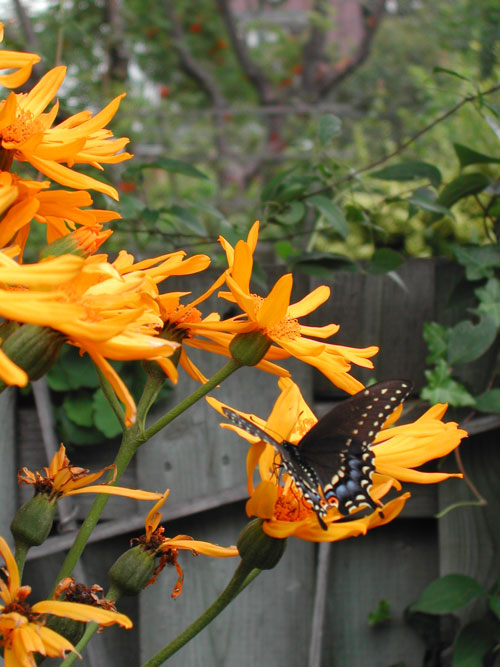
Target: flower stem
216	379
131	441
90	631
21	552
242	577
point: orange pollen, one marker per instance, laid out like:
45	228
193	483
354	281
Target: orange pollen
182	315
290	506
303	426
22	128
285	328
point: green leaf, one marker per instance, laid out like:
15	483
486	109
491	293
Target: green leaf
473	642
479	261
408	171
467	341
329	126
468	156
332	214
445	70
292	213
176	166
436	338
427	201
285	249
489	401
447	594
381	614
188	219
489	299
461	187
78	407
323	264
104	417
441	388
384	260
72	371
270	189
71	433
494	603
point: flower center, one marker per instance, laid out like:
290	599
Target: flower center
290	506
174	321
285	328
22	128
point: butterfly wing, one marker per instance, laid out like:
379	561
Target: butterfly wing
338	446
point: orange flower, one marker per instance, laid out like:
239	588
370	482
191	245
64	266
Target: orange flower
22	626
167	547
60	479
275	317
21	62
396	452
61	211
26	135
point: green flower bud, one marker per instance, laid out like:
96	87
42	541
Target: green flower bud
249	348
133	570
258	549
67	627
33	521
33	348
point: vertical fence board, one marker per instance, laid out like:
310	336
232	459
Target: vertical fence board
8	484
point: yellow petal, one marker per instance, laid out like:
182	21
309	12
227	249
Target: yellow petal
275	305
310	302
137	494
82	612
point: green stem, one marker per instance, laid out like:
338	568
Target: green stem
128	447
21	552
242	577
90	631
115	404
221	375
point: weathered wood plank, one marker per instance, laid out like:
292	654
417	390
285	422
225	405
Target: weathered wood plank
8	484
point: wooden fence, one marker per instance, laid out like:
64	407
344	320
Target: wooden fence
312	609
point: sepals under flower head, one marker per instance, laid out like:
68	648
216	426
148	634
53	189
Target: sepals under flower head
33	348
249	348
83	242
257	549
133	570
33	521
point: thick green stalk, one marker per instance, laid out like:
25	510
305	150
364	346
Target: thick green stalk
219	377
242	577
21	552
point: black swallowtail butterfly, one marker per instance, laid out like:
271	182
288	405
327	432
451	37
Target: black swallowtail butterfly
333	463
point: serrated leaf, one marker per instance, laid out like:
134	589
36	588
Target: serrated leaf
447	594
489	299
384	260
78	408
176	166
468	341
292	214
436	338
409	171
489	401
323	264
332	213
329	127
473	642
442	388
479	261
468	156
461	187
104	417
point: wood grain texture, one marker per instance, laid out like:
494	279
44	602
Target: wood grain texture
8	485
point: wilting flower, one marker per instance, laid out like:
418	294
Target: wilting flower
23	630
108	310
397	451
21	62
60	479
167	547
277	319
27	135
61	211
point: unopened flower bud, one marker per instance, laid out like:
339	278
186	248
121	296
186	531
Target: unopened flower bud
32	522
33	348
83	242
133	570
258	549
249	348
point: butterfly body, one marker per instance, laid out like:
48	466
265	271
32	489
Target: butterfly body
333	464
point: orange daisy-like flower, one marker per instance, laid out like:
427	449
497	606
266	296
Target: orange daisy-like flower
60	479
397	451
26	134
167	547
22	626
61	211
22	63
108	310
278	319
